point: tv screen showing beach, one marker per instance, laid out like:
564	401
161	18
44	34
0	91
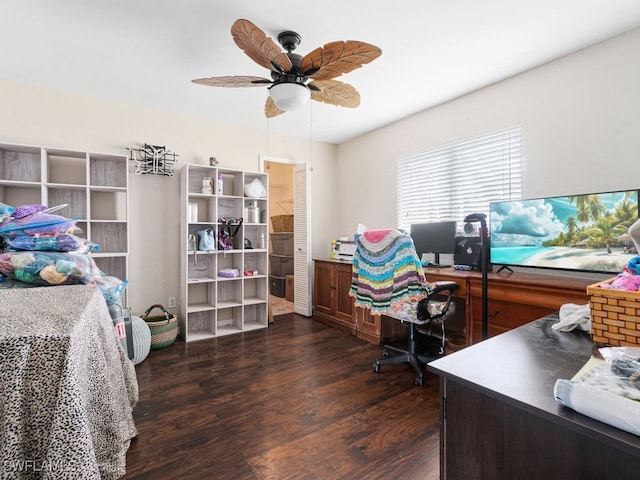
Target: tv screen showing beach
582	232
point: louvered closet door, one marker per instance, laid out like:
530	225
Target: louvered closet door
302	240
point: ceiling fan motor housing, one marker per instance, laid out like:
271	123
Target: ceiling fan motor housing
294	75
289	40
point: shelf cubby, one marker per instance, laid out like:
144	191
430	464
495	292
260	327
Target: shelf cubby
257	261
111	236
206	206
229	259
20	163
232	181
202	325
15	195
196	174
108	205
202	296
229	293
254	290
107	171
229	320
230	207
202	267
112	266
75	197
65	167
255	316
255	234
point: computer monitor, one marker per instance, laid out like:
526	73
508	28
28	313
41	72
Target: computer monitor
435	238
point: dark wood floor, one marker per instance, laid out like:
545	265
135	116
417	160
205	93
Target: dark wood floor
295	401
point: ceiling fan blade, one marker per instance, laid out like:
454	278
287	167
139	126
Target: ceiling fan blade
270	109
337	58
260	48
334	92
231	81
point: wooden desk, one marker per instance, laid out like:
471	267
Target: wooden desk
514	299
500	419
333	306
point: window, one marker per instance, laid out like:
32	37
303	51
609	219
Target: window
452	181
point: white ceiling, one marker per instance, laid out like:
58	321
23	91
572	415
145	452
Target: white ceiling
146	52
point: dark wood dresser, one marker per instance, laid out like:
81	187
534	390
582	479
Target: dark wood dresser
500	420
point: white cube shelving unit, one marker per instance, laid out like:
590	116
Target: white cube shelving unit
212	305
94	185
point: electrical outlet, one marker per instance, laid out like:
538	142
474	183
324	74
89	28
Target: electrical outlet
172	302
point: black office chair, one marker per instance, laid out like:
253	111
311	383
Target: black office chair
424	319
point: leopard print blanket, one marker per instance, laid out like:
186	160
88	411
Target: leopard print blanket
68	388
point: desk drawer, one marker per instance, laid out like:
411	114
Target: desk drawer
503	316
550	296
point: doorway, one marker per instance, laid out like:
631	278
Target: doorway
281	261
301	282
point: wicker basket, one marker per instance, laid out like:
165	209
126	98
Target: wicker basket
164	328
614	316
282	223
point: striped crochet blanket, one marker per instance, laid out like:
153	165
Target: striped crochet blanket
386	272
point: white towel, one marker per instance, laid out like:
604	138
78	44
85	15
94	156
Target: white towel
573	316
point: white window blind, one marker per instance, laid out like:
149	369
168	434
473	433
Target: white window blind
452	181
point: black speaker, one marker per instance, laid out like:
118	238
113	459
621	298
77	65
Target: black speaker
468	252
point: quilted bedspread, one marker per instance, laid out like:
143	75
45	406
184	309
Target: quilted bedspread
67	388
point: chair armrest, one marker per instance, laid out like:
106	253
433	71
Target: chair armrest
444	285
438	288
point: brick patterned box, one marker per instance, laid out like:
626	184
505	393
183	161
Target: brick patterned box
615	316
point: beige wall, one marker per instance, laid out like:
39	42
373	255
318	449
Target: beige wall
580	124
36	116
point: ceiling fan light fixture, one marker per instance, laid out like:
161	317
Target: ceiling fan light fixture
289	97
290	72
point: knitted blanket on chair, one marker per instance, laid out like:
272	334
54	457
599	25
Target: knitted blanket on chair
386	272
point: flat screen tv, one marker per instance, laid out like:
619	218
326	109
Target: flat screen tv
586	232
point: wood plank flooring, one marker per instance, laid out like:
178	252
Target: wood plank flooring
295	401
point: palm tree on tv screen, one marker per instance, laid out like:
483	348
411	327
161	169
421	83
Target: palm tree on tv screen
607	225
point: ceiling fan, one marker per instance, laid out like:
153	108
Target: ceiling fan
295	78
